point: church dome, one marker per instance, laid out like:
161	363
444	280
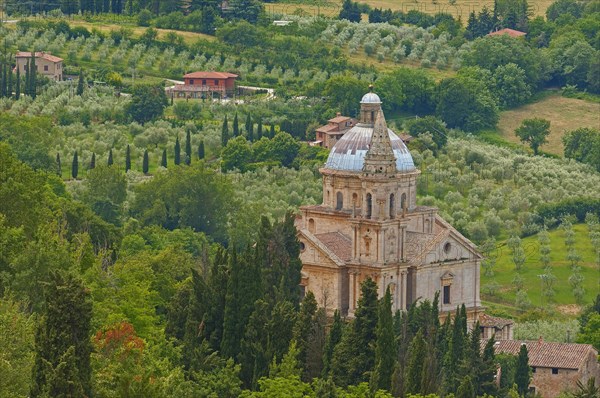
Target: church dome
370	98
348	154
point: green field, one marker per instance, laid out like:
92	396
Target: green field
564	114
563	303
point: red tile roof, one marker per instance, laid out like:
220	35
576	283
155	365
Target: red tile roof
338	243
339	119
507	31
492	321
548	354
209	75
39	54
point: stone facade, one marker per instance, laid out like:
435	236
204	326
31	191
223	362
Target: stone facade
47	64
333	131
370	226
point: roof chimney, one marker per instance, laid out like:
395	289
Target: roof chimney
540	340
338	114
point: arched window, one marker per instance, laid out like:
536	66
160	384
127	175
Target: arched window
339	201
403	204
392	206
369	205
372	117
311	226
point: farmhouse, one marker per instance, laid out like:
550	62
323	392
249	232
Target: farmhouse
47	64
205	85
335	128
370	226
556	367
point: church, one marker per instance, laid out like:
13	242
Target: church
370	226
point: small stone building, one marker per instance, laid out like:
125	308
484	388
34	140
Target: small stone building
329	134
369	225
498	328
47	64
556	367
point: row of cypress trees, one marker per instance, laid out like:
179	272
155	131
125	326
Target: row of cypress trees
10	83
250	134
145	159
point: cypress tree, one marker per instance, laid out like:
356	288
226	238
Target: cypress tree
201	150
75	166
304	326
33	77
466	389
145	162
80	83
18	85
334	337
3	83
27	79
353	357
58	165
414	372
254	356
224	132
259	129
10	82
487	375
163	160
249	128
62	340
188	148
236	126
523	371
177	158
315	346
272	131
385	346
127	159
93	161
110	157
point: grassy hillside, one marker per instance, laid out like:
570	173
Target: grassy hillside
564	302
565	114
461	8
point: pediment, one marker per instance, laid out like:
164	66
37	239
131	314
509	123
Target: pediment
317	252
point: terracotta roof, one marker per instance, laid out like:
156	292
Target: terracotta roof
39	54
338	243
507	31
209	75
548	354
492	321
327	128
339	119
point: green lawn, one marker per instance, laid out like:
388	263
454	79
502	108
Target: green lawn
564	302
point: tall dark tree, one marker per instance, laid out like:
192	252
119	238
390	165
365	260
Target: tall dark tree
62	342
385	346
224	132
75	166
334	337
249	128
188	148
523	371
415	369
487	373
272	131
163	159
354	357
145	162
259	129
10	82
93	161
18	85
33	76
27	79
128	158
177	156
3	81
350	11
58	165
254	355
147	103
304	327
80	85
236	126
201	150
110	158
